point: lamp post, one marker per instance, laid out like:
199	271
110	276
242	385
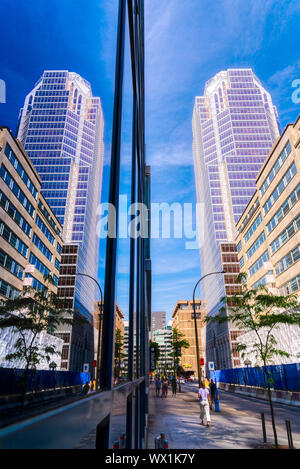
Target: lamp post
195	321
99	333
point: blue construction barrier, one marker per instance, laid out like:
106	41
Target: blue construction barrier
285	377
12	380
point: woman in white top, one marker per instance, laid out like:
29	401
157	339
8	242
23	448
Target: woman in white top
204	399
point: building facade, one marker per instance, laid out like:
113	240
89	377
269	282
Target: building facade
61	127
31	235
221	340
158	320
183	320
163	337
234	127
268	240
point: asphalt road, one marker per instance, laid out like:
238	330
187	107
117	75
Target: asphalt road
238	425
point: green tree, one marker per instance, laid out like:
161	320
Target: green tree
30	314
178	342
260	312
119	355
155	345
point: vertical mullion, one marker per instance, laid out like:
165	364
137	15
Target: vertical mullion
106	372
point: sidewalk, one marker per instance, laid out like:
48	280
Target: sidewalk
178	418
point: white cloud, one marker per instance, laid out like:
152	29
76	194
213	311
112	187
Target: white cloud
171	155
283	78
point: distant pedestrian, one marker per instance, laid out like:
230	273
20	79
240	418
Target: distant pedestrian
164	389
174	386
212	392
204	401
86	388
206	383
157	386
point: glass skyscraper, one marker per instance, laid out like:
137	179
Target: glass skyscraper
61	127
234	127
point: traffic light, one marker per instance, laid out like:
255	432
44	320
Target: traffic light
201	361
94	363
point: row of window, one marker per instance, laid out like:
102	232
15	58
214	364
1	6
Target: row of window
258	242
262	280
49	218
280	187
14	214
36	284
51	98
8	291
4	174
285	235
44	126
55	177
284	209
253	152
8	263
288	260
38	264
259	263
44	229
290	287
46	139
55	185
17	165
252	228
48	194
13	239
253	145
41	246
279	162
56	263
48	105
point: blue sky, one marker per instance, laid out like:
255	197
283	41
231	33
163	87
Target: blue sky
187	42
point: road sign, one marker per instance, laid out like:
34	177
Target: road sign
86	367
211	366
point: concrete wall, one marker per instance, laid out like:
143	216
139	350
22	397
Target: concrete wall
8	338
283	397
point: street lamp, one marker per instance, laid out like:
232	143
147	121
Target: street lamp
100	319
195	320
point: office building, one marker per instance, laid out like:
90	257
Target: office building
183	320
61	128
268	240
158	320
163	337
30	233
234	126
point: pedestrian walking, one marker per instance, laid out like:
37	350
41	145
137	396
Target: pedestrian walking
86	388
174	386
164	389
157	386
204	401
212	392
